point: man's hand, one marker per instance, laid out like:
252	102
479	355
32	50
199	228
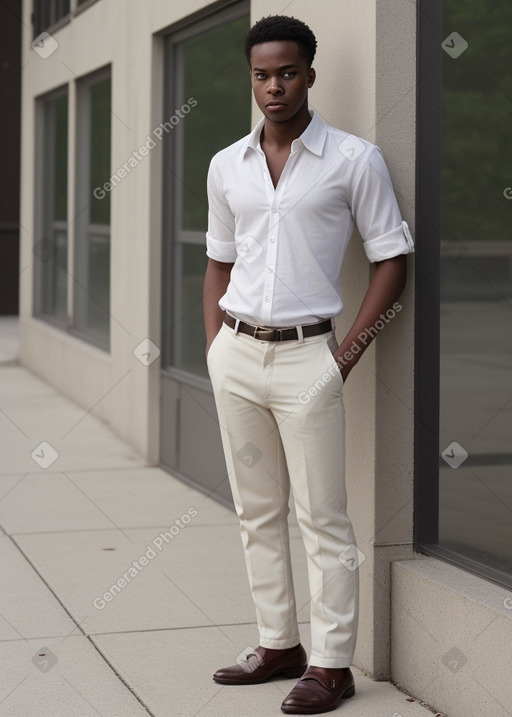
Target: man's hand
208	344
342	365
216	280
385	288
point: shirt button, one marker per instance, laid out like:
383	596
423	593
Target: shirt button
272	239
274	210
267	299
269	268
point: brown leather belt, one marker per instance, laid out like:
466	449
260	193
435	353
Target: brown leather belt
269	333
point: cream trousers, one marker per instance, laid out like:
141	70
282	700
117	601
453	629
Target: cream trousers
282	421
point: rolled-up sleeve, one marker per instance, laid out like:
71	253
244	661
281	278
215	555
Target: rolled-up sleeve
377	214
220	237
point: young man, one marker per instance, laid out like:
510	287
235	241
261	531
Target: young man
282	207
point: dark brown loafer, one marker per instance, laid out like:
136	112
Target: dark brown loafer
320	689
261	665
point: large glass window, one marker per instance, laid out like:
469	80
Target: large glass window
207	107
47	13
475	480
463	496
50	15
72	288
210	75
51	246
91	317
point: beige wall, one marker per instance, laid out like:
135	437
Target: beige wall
452	637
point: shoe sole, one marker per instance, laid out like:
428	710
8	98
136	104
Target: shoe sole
290	673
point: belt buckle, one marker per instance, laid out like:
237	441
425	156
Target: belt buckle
260	330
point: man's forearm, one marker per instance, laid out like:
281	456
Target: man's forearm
216	281
385	288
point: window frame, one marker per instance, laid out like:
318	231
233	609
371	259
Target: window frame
189	27
39	202
82	154
57	18
75	154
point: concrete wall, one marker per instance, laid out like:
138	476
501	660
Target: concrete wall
452	637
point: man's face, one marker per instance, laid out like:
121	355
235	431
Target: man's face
280	79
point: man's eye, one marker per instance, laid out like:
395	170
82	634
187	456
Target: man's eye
260	76
289	74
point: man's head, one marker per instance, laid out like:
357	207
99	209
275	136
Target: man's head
280	27
280	51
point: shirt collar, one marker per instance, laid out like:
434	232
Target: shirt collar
313	137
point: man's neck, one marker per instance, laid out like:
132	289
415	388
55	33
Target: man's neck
280	135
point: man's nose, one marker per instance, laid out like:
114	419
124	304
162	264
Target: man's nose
273	86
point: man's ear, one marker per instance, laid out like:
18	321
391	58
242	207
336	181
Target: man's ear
311	77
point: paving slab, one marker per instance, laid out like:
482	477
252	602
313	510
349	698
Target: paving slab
27	607
61	678
98	499
196	576
32	412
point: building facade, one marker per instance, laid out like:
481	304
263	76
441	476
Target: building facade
123	104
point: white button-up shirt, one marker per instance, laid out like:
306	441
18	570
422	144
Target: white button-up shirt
288	243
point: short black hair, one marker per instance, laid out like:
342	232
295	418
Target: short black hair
281	27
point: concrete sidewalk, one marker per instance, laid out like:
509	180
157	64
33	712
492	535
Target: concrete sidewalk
81	512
